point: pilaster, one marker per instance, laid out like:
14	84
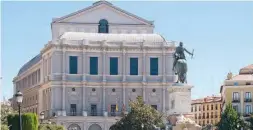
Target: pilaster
124	93
103	88
124	63
63	64
104	62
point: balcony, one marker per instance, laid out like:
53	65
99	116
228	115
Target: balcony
247	100
236	101
248	114
73	113
114	113
203	117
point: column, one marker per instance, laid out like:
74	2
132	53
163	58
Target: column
143	73
104	97
241	102
63	81
144	65
164	65
124	94
51	64
164	90
164	77
42	70
84	66
63	64
48	67
124	64
104	65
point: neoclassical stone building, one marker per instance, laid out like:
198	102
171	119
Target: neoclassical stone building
98	59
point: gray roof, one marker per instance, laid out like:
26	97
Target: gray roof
29	64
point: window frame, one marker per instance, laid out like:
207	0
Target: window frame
73	64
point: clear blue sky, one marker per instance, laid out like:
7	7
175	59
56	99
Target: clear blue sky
220	32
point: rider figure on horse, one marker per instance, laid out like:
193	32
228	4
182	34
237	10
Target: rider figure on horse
179	54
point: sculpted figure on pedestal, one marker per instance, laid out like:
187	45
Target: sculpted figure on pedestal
179	64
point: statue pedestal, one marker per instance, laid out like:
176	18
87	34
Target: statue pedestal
179	99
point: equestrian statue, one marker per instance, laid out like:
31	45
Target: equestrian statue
179	64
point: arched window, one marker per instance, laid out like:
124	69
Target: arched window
103	26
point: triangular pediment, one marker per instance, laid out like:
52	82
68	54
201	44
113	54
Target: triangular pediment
103	10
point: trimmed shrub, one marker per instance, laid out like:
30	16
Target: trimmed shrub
29	121
50	127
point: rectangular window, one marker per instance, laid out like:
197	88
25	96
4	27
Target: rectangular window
248	109
236	108
248	95
93	65
93	110
113	65
113	110
154	106
133	66
235	96
73	109
153	66
73	64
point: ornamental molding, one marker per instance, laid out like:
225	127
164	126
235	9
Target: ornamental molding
179	89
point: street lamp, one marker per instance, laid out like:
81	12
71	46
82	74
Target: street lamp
19	99
42	116
142	126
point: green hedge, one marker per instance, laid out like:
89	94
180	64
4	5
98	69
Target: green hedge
50	127
29	121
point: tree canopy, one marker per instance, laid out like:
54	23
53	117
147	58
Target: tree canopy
141	114
230	119
6	109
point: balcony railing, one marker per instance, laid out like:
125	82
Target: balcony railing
247	100
247	114
236	100
114	113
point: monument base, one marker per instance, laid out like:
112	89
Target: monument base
179	98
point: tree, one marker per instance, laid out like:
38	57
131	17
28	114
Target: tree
250	121
4	127
230	119
141	114
5	110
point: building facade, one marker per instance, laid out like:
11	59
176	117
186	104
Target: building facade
99	58
207	110
238	89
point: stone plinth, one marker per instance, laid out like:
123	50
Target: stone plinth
179	99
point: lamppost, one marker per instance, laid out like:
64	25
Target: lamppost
19	99
42	116
142	125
